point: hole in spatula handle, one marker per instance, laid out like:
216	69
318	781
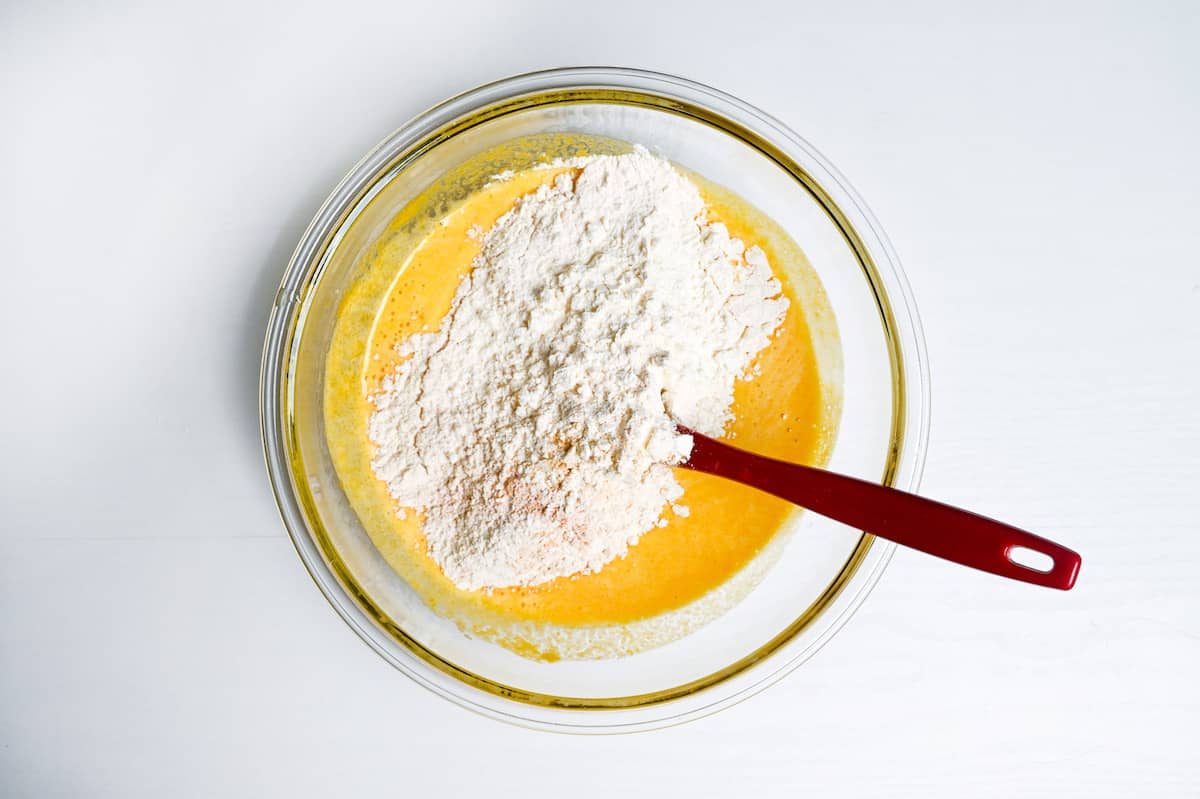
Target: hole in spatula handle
1031	559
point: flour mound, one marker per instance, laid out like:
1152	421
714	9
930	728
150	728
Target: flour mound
535	430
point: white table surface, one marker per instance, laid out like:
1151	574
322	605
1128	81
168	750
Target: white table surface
1038	174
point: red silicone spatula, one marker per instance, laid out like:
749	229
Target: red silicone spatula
937	529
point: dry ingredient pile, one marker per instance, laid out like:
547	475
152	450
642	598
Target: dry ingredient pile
535	430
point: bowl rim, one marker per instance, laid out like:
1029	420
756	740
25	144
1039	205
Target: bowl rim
595	84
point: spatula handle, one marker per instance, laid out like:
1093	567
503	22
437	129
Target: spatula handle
956	535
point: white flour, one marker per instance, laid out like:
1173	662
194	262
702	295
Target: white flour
535	429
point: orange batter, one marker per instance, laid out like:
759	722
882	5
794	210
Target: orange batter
785	412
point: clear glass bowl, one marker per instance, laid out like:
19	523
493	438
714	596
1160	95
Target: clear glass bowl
825	570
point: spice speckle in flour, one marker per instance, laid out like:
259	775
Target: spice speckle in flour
534	430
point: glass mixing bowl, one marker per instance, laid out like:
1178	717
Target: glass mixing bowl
824	571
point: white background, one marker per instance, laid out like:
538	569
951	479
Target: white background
1037	171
